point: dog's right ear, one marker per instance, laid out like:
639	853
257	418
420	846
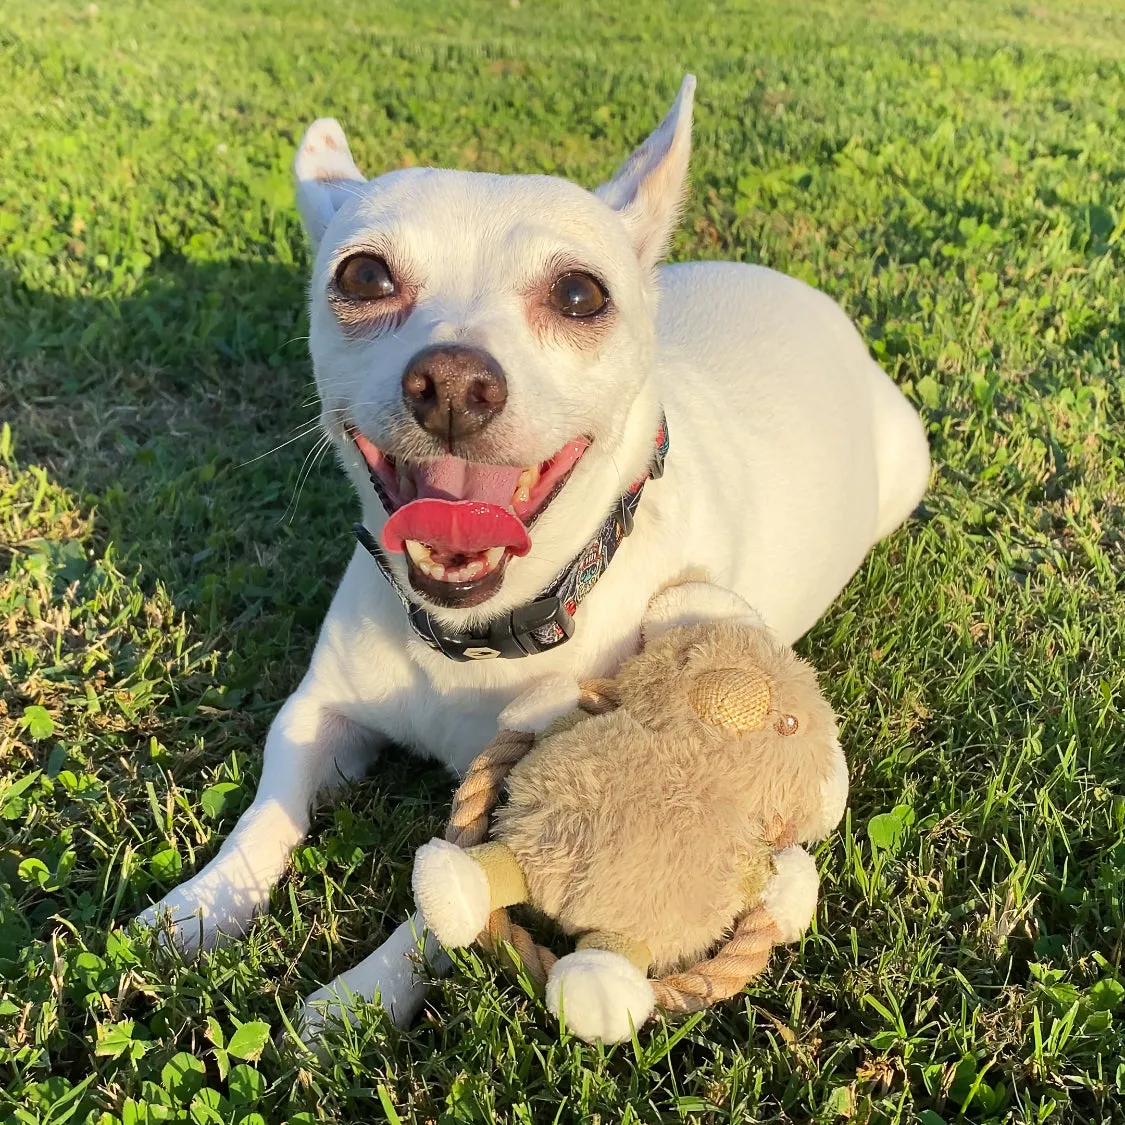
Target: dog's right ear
648	189
325	173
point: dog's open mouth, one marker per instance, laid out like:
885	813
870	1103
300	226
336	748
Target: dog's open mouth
459	522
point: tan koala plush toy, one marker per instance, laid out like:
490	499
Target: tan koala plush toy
650	827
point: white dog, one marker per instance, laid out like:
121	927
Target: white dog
502	362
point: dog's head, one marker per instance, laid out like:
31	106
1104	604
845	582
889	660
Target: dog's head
482	345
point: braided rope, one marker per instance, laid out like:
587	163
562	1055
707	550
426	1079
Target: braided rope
738	960
479	790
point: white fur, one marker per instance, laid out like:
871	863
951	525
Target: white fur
451	893
790	895
599	995
535	710
791	454
325	172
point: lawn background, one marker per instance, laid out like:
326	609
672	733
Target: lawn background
955	177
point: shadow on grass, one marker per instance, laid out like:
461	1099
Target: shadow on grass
178	415
175	418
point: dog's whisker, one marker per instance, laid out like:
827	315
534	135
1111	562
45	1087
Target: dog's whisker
308	429
307	467
621	483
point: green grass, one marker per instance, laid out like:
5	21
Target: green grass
955	178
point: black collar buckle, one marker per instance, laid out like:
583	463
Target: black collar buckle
511	636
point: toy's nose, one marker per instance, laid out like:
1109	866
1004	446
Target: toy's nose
735	698
454	391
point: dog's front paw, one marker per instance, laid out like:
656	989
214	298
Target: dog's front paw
451	893
329	1005
599	995
204	910
388	977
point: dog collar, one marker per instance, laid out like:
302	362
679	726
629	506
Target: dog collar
548	621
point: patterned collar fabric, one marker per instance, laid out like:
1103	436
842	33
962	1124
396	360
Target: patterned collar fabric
548	621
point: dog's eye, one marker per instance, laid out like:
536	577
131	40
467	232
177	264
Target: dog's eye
363	277
578	294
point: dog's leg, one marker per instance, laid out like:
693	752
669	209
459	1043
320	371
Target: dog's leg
902	454
389	976
310	748
458	886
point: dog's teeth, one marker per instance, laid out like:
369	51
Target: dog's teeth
406	488
423	559
528	479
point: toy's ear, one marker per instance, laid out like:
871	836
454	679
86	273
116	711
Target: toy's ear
696	603
736	699
648	189
326	176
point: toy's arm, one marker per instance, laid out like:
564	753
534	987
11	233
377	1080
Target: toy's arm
535	710
828	810
790	895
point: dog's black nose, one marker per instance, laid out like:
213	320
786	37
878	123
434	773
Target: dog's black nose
453	390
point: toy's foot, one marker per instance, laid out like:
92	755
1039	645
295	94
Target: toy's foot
790	895
599	995
451	893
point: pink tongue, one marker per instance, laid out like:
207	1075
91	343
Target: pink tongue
462	508
459	527
454	479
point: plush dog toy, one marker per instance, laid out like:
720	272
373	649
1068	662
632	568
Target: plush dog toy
651	813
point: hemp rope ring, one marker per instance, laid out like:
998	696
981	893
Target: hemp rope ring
737	961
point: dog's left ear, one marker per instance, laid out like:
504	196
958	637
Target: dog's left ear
648	189
325	173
